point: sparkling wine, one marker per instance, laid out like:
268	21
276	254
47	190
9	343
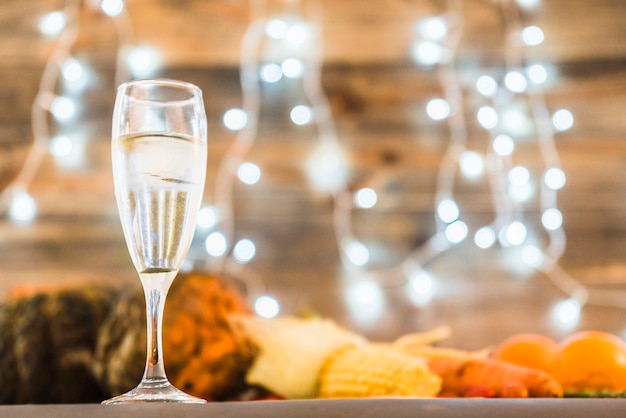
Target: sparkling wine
159	180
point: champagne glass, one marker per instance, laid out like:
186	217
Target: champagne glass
159	155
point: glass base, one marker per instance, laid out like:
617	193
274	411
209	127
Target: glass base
154	391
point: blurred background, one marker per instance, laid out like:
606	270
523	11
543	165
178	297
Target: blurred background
394	165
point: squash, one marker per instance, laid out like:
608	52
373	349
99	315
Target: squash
84	343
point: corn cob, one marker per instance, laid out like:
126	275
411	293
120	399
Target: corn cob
366	371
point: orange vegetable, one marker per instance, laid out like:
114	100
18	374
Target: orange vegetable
527	349
591	360
500	378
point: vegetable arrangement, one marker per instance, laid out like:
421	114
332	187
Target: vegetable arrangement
85	343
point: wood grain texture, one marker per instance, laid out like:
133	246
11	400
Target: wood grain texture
377	97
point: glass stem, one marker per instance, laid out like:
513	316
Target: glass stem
155	292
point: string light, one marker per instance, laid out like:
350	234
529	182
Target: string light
61	66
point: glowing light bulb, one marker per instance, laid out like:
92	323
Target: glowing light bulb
537	73
487	86
434	28
528	4
112	7
244	251
448	211
301	115
235	119
427	53
554	178
532	256
515	81
472	164
143	61
519	175
357	253
566	313
249	173
552	219
516	233
298	34
456	232
487	117
485	237
562	120
266	307
72	70
438	109
532	35
276	28
215	244
61	146
365	198
292	68
63	108
23	208
52	24
365	300
503	145
420	287
327	167
208	217
271	73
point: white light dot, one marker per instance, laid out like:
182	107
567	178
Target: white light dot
271	73
112	7
420	287
434	28
532	35
516	233
503	145
63	108
456	232
552	219
427	53
52	24
487	117
537	73
562	120
365	198
23	208
472	164
519	175
365	300
438	109
521	192
516	122
61	146
292	68
215	244
566	313
207	217
143	61
515	81
276	29
244	251
266	307
485	237
301	115
357	253
298	34
448	210
235	119
532	256
72	70
249	173
554	178
487	86
327	167
528	4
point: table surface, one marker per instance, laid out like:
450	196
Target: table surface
389	408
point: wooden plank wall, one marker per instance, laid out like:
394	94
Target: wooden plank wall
377	96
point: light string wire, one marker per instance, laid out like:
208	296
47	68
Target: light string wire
235	156
46	95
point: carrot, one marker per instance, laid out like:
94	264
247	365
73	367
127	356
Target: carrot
461	376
